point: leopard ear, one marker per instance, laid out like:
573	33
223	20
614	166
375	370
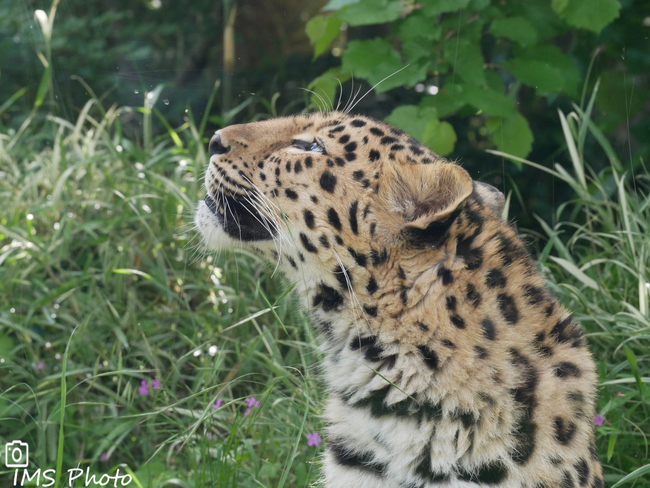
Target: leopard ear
420	201
492	197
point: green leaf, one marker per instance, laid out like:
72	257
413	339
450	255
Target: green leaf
422	123
518	29
338	4
414	51
476	5
558	6
637	473
412	119
368	12
440	137
129	271
376	60
547	24
416	27
466	59
322	30
324	87
591	15
577	273
454	97
6	346
435	7
362	57
540	75
512	135
489	102
545	68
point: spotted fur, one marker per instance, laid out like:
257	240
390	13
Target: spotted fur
448	362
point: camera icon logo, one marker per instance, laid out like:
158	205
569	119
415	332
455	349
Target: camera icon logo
16	454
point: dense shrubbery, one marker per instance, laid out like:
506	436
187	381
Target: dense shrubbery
484	74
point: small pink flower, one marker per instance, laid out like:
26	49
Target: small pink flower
155	384
313	439
40	365
104	457
598	420
252	402
217	404
143	389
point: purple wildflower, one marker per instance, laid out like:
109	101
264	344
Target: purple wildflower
104	457
217	404
143	389
252	402
313	439
598	420
40	365
155	384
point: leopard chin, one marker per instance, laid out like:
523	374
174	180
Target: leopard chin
240	219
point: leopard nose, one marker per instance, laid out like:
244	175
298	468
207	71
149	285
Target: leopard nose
216	146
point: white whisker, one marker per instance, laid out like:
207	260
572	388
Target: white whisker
376	85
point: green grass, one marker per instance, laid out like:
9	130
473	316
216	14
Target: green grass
103	285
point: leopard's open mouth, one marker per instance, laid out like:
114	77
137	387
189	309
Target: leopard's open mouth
240	219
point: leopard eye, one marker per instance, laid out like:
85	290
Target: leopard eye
313	146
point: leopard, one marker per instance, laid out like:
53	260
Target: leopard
447	359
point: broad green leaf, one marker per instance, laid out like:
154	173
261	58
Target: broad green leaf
362	57
558	6
453	97
389	76
547	24
489	102
435	7
512	135
440	137
412	119
449	99
545	68
368	12
376	60
325	86
417	26
540	75
414	51
338	4
322	30
591	15
466	60
518	29
422	123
